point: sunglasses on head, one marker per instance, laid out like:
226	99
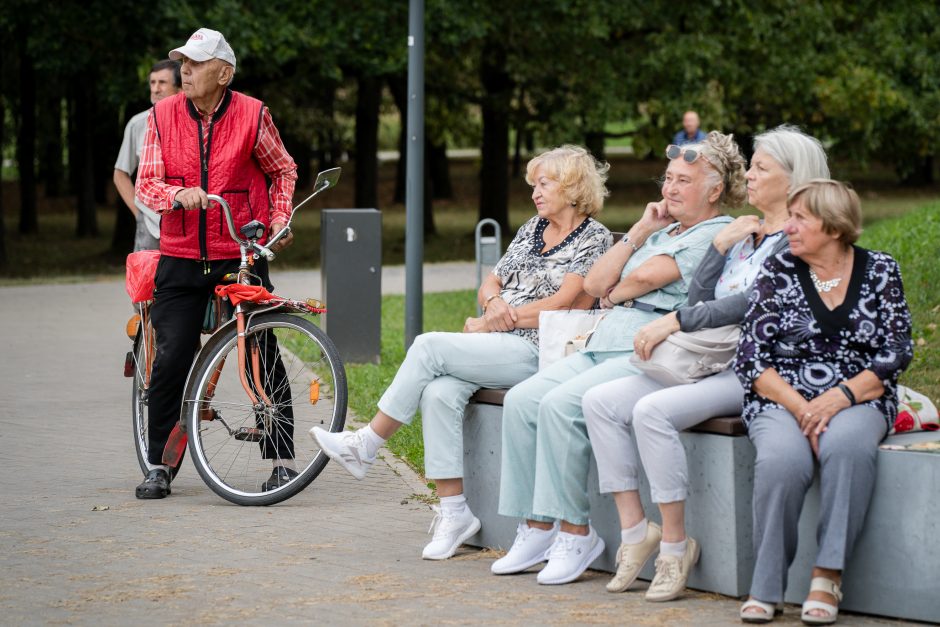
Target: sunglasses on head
689	154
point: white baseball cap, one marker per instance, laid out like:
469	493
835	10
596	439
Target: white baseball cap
203	45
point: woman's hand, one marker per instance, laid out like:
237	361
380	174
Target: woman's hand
736	231
475	325
818	412
499	316
650	335
655	217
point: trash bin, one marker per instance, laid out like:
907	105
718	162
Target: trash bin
351	272
489	248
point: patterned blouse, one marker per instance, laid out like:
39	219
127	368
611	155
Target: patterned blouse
527	274
790	329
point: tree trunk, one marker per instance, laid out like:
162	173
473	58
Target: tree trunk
328	148
302	153
83	161
107	134
26	141
367	142
494	167
51	165
3	228
398	85
439	170
594	142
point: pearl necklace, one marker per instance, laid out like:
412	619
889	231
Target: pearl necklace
824	286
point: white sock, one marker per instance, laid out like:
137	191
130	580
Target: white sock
158	467
372	440
456	504
673	548
635	534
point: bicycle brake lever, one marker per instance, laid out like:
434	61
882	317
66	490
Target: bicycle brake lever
264	252
176	205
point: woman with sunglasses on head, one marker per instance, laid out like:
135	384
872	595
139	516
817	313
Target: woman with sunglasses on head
545	450
783	158
825	338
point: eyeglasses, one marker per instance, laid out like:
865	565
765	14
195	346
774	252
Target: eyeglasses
689	154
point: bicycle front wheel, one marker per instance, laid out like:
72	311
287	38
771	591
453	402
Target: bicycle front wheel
297	380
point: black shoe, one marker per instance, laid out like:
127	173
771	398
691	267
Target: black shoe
281	475
155	486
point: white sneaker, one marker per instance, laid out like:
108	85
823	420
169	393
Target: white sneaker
450	531
346	448
570	556
528	549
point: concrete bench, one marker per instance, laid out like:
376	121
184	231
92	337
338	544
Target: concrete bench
895	569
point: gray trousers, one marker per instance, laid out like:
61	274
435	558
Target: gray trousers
784	472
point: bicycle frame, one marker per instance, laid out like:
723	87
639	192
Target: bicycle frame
249	250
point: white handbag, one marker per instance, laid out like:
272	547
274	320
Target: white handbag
687	357
562	332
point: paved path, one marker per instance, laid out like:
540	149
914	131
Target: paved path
342	552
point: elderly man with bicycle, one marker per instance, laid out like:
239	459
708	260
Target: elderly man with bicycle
206	140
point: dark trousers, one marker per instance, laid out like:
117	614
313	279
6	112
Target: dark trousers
183	290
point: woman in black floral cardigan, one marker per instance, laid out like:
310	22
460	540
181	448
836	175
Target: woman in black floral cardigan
826	336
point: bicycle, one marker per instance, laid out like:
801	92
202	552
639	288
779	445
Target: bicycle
242	396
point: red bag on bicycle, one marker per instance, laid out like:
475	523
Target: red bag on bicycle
141	271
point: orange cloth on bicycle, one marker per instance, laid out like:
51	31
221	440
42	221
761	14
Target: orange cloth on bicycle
236	293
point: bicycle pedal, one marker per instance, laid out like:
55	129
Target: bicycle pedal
129	367
249	434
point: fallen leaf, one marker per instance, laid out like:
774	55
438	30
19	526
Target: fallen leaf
100	508
921	341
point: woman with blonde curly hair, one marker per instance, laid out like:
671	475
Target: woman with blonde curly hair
545	451
543	269
784	158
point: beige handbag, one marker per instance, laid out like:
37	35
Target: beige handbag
687	357
558	329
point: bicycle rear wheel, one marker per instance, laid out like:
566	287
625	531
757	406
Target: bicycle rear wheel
233	443
145	348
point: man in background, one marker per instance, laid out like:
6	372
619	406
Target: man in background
690	133
164	81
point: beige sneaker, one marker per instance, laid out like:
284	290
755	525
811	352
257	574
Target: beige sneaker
672	573
631	558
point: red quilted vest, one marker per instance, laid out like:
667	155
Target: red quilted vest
226	168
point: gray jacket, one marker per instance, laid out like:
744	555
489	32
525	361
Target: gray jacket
709	312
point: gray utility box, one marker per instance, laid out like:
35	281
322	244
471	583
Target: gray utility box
351	271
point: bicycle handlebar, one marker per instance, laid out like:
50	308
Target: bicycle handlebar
325	180
264	251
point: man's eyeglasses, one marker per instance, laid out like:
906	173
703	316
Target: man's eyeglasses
689	154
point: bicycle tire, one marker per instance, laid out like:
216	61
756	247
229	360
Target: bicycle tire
143	354
235	467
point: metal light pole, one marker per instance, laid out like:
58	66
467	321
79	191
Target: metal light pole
414	176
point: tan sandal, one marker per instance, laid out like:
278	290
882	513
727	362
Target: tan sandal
768	611
821	584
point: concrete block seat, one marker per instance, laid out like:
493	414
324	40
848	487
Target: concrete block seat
894	571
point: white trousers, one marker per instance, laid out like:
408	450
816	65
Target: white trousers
657	414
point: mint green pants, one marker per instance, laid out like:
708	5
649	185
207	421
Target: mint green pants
439	374
546	453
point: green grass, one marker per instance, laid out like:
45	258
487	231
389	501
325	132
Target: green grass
442	312
913	240
55	254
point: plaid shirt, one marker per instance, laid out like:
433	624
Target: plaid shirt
269	152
